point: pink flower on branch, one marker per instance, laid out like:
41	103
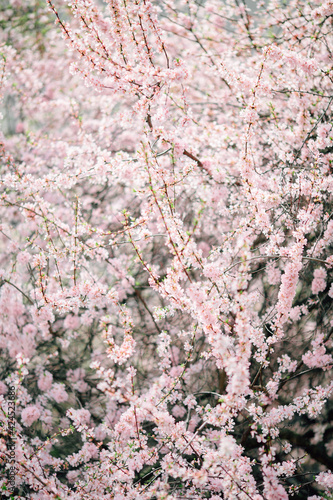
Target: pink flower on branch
166	237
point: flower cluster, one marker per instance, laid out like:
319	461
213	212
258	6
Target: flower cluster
166	240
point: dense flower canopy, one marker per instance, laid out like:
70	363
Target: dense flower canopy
166	237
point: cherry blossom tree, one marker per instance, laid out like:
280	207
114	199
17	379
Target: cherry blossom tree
166	249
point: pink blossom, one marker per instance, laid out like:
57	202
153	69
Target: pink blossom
325	479
19	128
24	257
71	322
166	192
80	417
273	490
29	415
319	282
72	476
58	393
288	287
273	274
45	381
3	388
